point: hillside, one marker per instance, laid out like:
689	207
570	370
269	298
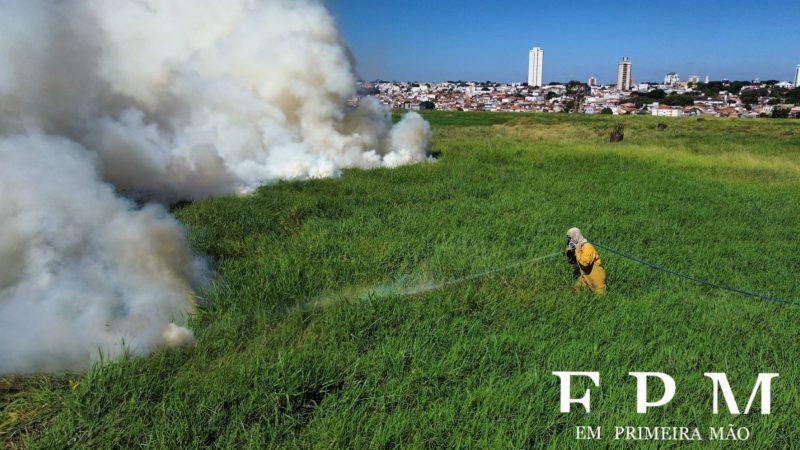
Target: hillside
323	327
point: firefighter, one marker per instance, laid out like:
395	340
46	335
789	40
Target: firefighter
589	271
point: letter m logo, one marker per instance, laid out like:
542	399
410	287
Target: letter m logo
763	384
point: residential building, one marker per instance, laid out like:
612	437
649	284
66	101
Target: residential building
694	79
518	97
671	79
535	66
624	76
665	111
797	76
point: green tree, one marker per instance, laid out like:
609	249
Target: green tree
606	111
749	97
780	113
679	100
641	100
710	89
735	86
777	94
575	86
427	104
793	96
571	106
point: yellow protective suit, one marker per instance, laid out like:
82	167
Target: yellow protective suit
592	273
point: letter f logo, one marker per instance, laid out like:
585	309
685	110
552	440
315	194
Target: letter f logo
566	399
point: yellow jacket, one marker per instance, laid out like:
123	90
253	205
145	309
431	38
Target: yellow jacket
592	272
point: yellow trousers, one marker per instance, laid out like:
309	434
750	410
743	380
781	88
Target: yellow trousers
595	282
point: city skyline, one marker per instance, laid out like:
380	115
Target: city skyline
474	41
624	78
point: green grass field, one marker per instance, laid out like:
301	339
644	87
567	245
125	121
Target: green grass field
303	340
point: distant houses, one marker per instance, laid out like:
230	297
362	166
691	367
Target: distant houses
717	99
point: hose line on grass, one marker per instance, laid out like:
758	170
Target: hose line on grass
695	279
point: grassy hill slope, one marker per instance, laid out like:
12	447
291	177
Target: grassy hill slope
303	339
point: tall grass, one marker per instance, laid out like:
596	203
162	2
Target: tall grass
469	365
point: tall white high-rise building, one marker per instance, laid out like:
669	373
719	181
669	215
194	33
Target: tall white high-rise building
535	67
624	77
797	76
672	78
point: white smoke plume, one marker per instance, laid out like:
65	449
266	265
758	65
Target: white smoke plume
154	100
82	270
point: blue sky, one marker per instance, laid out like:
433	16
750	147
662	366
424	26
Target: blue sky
482	40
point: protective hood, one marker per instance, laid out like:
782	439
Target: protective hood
575	235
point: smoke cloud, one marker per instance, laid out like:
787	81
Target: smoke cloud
102	101
83	269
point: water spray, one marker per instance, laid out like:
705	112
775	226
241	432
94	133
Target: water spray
401	287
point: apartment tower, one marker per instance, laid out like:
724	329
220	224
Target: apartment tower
624	80
797	76
535	67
